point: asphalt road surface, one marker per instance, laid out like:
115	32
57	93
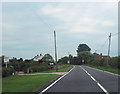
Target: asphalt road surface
83	79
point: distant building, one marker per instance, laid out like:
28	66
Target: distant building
38	57
51	64
101	56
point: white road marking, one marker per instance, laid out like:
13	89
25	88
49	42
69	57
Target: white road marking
96	81
93	78
102	88
56	81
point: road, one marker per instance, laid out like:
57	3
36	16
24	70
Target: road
83	79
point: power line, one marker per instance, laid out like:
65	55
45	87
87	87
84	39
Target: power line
46	24
107	40
115	34
103	44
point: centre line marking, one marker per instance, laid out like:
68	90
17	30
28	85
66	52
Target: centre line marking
96	81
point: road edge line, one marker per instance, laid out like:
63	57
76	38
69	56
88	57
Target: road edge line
95	81
55	81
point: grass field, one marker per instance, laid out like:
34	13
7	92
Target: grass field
61	68
26	83
113	70
31	83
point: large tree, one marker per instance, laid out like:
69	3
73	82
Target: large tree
86	56
83	47
64	60
47	58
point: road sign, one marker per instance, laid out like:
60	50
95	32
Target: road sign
6	59
82	60
68	62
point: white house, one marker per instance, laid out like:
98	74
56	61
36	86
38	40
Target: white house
37	58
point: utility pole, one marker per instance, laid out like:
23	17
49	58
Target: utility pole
95	53
68	58
55	51
109	49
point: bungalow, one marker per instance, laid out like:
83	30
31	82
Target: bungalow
101	56
38	57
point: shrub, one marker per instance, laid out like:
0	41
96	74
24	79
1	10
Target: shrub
99	62
114	62
119	62
38	68
7	71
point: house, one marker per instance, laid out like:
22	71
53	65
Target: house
38	57
101	56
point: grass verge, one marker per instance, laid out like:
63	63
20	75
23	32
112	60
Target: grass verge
26	83
113	70
61	68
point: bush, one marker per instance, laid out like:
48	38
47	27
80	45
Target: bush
99	62
38	68
119	62
114	62
7	71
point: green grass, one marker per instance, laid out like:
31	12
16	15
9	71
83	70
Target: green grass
26	83
31	83
65	68
109	69
61	68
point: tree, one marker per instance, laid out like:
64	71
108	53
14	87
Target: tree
47	58
64	60
76	61
86	56
83	47
71	59
20	60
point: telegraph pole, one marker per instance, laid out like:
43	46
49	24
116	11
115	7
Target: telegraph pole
95	53
55	51
109	49
68	58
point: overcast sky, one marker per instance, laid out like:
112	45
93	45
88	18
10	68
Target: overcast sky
28	28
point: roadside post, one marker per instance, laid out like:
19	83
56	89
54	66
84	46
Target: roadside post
68	61
6	60
83	61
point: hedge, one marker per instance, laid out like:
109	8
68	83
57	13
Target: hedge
114	62
7	71
38	68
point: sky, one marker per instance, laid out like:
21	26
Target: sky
28	27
